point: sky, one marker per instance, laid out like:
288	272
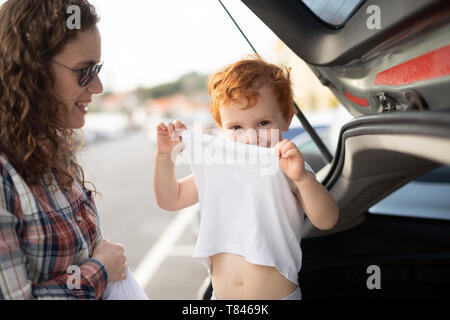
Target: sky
148	42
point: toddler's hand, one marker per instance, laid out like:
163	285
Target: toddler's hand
167	136
291	160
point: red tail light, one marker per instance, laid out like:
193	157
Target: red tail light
357	100
431	65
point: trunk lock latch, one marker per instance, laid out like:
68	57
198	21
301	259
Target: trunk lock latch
386	103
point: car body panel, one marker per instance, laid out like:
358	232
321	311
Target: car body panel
361	66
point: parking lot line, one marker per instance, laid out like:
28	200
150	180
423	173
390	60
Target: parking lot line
182	250
162	248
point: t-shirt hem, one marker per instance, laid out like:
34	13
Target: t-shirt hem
203	256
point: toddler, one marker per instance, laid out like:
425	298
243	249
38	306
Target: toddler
258	259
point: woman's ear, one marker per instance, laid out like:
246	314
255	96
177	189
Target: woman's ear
289	119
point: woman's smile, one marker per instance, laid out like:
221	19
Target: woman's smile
82	106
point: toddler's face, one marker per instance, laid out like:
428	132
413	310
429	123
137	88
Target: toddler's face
263	124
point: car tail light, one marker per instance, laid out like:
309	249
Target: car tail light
431	65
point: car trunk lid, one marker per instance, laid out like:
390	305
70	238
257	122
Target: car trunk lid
401	65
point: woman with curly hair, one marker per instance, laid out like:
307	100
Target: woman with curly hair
50	241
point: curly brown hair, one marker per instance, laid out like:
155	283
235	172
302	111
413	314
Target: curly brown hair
32	32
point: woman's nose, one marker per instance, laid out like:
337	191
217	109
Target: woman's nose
95	86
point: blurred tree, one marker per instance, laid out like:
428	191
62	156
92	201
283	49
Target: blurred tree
188	84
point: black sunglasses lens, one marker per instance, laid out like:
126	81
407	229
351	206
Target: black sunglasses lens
88	74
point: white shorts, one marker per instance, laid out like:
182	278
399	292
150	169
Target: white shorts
296	295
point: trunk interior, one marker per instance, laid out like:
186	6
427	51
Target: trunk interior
377	155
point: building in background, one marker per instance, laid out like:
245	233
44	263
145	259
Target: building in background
310	94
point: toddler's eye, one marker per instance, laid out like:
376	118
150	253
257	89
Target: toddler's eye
235	128
263	123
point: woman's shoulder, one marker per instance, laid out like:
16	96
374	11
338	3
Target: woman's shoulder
7	171
6	166
8	191
4	163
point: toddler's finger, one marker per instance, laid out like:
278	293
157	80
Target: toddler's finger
179	124
284	146
290	153
277	149
161	127
278	146
170	128
175	134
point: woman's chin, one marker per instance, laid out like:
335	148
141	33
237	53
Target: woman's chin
75	125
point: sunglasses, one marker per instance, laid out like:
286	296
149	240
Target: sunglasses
86	74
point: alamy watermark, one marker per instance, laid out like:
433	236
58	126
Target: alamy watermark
74	279
374	280
74	20
372	22
374	19
249	147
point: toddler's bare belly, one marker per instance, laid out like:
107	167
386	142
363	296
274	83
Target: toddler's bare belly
234	278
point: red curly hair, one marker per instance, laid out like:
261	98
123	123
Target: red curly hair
243	79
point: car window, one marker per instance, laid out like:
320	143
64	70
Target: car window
327	123
307	146
425	197
333	12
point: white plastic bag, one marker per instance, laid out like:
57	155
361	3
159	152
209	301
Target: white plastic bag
128	289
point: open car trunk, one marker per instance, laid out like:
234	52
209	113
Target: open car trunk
395	81
378	154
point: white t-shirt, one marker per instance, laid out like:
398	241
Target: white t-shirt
248	206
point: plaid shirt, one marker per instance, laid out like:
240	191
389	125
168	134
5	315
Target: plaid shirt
44	233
